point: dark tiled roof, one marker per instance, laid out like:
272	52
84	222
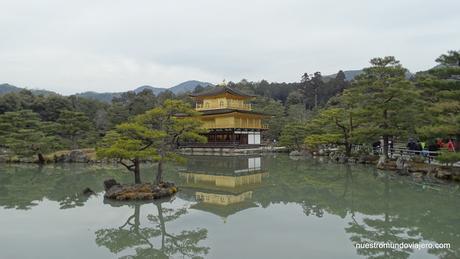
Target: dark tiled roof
223	111
221	90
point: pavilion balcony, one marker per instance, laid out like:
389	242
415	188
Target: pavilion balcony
223	105
234	125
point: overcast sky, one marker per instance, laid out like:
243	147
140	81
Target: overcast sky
110	45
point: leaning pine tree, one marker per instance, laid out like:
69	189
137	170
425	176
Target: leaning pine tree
176	122
154	135
129	144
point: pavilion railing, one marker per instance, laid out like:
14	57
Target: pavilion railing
397	152
217	144
225	105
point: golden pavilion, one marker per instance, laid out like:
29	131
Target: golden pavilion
227	115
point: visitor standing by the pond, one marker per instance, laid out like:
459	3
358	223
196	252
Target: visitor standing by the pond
451	146
440	143
414	145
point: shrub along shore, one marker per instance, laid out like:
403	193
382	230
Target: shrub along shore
415	168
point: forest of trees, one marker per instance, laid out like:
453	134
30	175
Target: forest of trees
38	124
380	102
383	103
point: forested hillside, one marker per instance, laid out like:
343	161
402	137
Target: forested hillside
7	88
381	101
183	87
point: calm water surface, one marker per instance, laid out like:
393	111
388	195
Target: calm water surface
228	207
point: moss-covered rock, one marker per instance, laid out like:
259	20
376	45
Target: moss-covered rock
146	191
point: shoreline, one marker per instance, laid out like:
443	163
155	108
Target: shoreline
405	167
399	166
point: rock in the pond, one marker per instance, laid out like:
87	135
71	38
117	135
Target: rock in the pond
109	183
443	174
381	163
74	156
342	160
299	153
113	191
402	166
417	175
367	159
78	156
144	191
87	191
295	153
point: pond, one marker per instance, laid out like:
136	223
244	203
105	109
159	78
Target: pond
227	207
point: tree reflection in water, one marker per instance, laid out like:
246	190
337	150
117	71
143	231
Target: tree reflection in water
373	205
378	206
386	229
24	186
144	239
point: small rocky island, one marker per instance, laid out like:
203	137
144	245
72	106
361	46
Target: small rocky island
143	191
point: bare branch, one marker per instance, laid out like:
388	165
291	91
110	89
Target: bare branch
129	167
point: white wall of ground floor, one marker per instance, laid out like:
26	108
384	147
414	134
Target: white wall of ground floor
254	137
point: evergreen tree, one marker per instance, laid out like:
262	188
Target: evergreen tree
339	83
441	91
388	99
297	113
338	123
333	126
25	134
130	104
316	83
73	126
164	96
129	144
277	118
452	58
293	136
174	122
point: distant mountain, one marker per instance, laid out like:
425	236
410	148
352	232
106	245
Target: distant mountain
7	88
349	74
103	97
155	90
188	86
108	96
178	89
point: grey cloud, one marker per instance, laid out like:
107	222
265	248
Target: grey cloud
72	46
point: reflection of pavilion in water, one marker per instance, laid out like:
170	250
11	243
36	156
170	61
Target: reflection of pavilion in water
223	185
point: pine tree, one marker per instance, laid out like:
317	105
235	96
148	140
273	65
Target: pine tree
175	122
452	58
25	134
293	136
73	126
388	100
129	144
441	90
